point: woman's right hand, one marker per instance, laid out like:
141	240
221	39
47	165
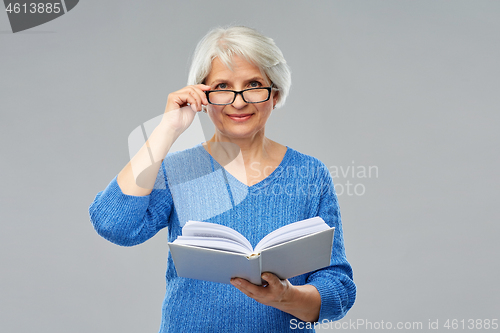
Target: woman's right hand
178	114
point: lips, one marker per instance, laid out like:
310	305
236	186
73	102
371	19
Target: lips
240	117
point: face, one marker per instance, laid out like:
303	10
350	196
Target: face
239	120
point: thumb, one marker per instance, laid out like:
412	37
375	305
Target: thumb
270	278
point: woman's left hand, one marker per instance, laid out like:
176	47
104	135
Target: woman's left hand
304	302
273	294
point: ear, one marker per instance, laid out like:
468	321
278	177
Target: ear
275	98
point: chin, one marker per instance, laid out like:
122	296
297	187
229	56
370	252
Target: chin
239	133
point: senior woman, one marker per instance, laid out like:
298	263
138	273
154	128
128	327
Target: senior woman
238	178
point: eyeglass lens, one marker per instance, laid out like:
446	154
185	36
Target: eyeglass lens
250	96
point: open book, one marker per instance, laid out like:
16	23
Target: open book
213	252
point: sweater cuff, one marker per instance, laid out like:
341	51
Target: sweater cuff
112	203
331	308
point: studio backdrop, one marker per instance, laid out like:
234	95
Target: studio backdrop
399	99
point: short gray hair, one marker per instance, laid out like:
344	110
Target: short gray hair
254	47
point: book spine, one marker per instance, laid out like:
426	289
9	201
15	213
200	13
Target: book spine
255	261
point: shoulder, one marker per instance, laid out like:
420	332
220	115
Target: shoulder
304	158
298	158
305	164
191	154
191	163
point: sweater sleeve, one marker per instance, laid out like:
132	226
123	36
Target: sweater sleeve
130	220
334	283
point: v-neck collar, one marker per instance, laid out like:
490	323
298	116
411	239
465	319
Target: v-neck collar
272	175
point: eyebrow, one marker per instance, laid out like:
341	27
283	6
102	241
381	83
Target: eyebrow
255	78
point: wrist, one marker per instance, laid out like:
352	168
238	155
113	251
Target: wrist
303	302
290	298
167	130
160	141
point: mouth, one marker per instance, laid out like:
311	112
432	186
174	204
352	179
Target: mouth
240	117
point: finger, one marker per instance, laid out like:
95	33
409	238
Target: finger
197	92
195	99
178	100
238	283
200	89
246	287
197	95
203	87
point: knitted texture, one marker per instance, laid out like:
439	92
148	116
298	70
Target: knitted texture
192	185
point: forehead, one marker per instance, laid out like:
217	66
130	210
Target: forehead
241	70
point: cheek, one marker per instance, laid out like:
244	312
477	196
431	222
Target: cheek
214	112
266	110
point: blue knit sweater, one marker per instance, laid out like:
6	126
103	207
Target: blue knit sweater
191	185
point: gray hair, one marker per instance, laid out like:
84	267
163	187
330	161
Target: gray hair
254	47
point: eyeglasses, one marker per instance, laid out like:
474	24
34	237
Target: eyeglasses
251	95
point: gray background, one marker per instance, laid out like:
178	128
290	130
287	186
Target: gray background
410	87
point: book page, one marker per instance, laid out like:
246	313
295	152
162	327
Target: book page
292	231
215	243
207	229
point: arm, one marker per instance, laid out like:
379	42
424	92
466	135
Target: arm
129	211
130	220
138	176
334	283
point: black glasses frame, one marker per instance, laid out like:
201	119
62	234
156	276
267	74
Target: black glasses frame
236	93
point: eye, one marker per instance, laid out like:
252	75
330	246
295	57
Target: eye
255	84
221	86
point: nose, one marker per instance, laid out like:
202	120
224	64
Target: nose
239	102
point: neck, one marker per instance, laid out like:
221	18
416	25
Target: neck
254	149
